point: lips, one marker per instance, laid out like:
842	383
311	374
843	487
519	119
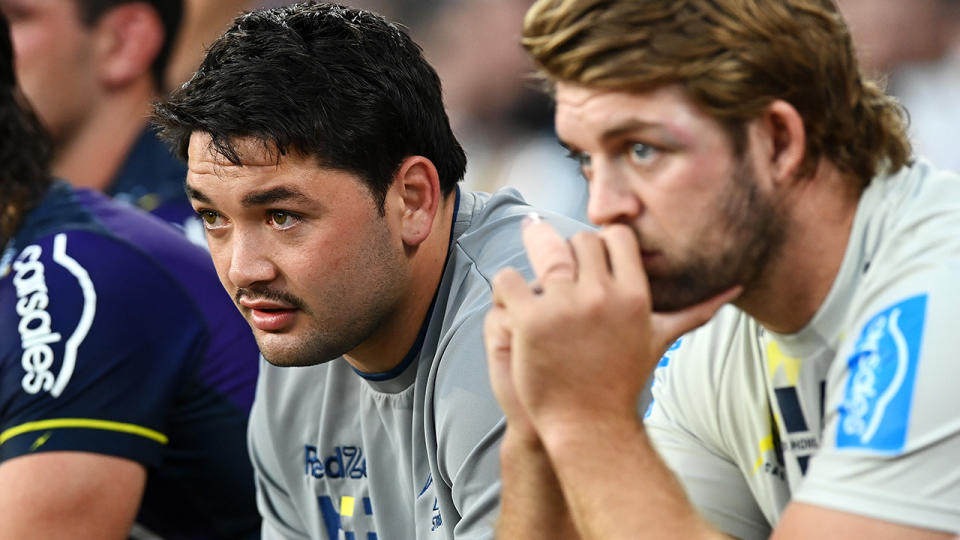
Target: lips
268	316
272	321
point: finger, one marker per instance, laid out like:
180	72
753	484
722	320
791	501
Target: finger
496	339
667	327
591	256
496	333
510	288
623	250
549	253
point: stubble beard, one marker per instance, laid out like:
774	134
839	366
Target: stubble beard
753	228
324	341
350	314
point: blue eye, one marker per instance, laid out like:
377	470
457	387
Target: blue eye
641	152
583	161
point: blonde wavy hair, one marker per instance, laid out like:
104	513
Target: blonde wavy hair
733	57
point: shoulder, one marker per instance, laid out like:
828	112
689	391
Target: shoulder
912	249
491	225
912	213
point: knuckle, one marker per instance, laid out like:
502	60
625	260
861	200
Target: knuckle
503	278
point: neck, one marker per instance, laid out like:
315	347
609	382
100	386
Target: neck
788	293
397	336
92	156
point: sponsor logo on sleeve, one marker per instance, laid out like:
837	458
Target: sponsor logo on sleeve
36	326
875	412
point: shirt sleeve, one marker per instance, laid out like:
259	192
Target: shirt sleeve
892	430
469	426
103	338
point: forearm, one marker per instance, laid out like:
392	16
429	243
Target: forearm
532	505
617	486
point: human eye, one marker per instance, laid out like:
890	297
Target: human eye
282	220
641	152
211	219
583	161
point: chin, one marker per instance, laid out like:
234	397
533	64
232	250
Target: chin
292	360
667	297
297	354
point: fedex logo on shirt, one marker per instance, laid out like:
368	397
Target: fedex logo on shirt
875	412
344	462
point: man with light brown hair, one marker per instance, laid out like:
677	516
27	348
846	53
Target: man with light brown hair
734	154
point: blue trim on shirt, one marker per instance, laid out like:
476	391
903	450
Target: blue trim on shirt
418	344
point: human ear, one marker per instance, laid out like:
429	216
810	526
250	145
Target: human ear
129	38
782	126
419	186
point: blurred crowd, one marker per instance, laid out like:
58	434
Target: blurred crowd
915	46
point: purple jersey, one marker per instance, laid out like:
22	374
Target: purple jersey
119	340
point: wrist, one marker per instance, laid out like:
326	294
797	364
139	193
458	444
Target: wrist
521	441
572	436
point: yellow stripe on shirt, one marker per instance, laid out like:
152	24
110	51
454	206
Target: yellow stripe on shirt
90	423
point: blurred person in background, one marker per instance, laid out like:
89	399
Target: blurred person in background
916	46
496	109
91	69
126	375
203	21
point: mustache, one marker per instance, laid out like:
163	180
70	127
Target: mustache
263	293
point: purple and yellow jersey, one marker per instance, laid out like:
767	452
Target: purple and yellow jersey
119	340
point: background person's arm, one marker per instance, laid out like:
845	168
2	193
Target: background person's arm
74	495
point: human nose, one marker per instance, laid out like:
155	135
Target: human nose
249	261
612	199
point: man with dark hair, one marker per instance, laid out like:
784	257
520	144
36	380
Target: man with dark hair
126	375
735	154
91	69
323	166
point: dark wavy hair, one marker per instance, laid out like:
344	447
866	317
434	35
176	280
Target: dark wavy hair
24	147
340	85
170	12
733	57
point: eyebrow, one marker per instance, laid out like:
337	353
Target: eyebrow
632	125
195	193
273	195
257	198
625	127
